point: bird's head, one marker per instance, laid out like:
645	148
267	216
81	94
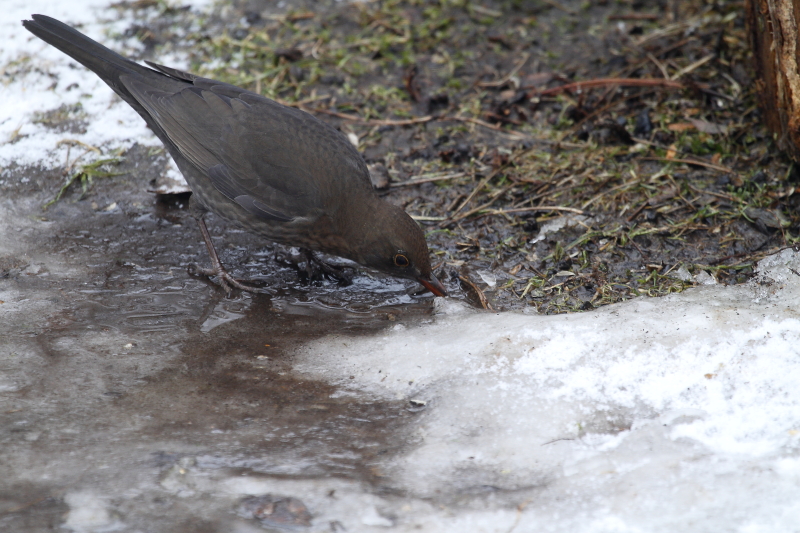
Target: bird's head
396	246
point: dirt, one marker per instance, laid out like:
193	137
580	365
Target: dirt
662	177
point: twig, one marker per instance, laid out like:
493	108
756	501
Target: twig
479	122
637	211
693	66
659	64
630	69
502	81
428	179
539	208
475	191
480	207
686	161
612	189
73	142
371	122
634	16
550	193
678	193
293	17
405	122
427	219
419	120
601	82
718	195
521	507
666	31
697	162
575	127
484	302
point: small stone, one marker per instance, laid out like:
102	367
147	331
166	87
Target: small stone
274	511
379	176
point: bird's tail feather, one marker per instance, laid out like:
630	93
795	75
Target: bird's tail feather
112	68
105	63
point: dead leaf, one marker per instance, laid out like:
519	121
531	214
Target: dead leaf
681	126
708	127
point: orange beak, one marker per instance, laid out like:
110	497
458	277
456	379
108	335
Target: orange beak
433	285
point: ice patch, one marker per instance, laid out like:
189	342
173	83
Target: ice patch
686	405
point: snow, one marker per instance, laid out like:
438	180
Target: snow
677	413
38	78
673	414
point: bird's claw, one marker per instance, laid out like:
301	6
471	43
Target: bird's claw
225	280
313	268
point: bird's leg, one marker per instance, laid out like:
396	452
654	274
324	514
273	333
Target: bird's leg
225	280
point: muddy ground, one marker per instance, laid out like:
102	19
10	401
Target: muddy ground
532	191
666	168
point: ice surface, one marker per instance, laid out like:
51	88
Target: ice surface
677	413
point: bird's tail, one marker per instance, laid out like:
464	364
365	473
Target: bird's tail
108	65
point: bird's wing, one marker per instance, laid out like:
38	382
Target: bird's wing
173	72
256	152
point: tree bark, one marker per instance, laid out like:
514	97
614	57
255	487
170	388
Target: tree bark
773	33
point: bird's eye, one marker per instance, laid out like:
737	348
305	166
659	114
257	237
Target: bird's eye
401	260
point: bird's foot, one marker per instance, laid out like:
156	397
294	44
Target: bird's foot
312	268
226	281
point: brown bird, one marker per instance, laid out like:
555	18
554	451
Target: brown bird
273	170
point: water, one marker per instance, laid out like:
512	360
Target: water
128	385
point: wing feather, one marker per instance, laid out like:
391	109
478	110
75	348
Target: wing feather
277	162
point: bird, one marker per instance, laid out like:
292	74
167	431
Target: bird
273	170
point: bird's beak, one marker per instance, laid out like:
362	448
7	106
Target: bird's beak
433	285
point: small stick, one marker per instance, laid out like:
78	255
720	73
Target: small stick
73	142
718	195
502	81
693	66
428	179
637	211
484	302
480	207
356	118
697	162
539	208
479	122
634	16
601	82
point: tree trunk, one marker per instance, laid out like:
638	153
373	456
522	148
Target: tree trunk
773	32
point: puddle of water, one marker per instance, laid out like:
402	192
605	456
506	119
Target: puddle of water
133	384
225	311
